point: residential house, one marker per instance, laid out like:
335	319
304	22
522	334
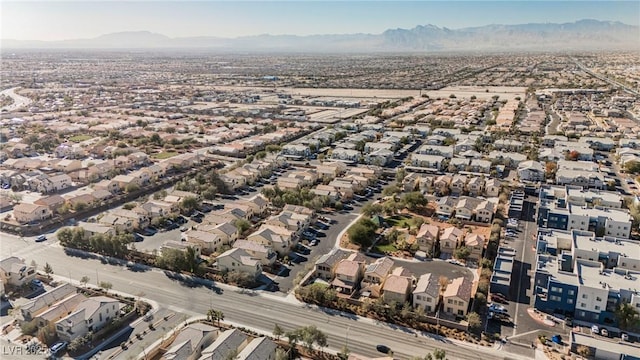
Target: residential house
458	164
225	345
265	254
427	237
456	296
458	184
479	165
377	271
381	157
475	186
397	286
475	244
258	205
427	293
484	211
325	265
58	310
108	185
330	170
76	201
345	155
125	181
411	182
277	237
208	243
119	223
346	188
449	239
465	207
531	171
15	272
90	315
157	208
427	161
492	187
68	165
347	273
226	231
442	184
296	151
38	304
91	229
239	260
139	221
190	342
53	202
261	348
25	213
446	205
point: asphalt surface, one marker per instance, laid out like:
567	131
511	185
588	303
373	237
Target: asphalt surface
256	310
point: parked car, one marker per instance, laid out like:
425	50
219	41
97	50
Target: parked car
624	336
309	235
37	283
314	242
57	347
498	309
595	329
41	238
604	332
455	262
149	231
499	298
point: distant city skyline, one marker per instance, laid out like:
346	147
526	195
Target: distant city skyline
23	20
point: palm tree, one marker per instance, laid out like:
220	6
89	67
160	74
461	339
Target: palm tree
215	315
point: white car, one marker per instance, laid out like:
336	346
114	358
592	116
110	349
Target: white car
455	262
595	329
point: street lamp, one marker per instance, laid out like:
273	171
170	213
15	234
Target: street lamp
346	337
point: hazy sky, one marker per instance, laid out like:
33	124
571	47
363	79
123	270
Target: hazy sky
56	20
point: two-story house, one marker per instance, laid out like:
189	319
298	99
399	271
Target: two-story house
90	315
427	293
456	297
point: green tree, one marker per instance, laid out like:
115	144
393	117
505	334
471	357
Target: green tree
371	209
627	317
84	280
129	206
48	269
391	190
344	353
277	331
132	187
105	285
362	232
414	200
439	354
474	321
242	225
462	253
632	167
188	204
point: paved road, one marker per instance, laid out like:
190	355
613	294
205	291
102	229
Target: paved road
257	310
19	101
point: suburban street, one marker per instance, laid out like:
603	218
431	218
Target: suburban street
18	100
256	310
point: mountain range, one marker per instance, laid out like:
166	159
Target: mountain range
574	36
